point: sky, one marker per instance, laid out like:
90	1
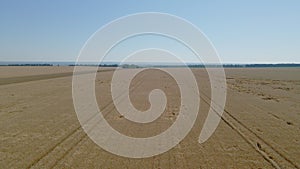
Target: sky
242	31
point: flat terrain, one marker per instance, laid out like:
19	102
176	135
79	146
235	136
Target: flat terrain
260	127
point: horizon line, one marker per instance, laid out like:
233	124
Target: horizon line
116	62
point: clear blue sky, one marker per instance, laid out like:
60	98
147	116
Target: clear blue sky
256	31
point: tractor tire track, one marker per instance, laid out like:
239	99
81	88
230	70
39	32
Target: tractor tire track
59	150
268	152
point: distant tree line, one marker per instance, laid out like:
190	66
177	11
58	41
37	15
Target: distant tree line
246	65
189	65
272	65
29	64
101	65
109	65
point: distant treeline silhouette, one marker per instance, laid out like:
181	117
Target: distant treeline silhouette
101	65
272	65
246	65
231	65
109	65
30	64
164	65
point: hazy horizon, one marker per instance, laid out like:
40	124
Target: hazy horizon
137	63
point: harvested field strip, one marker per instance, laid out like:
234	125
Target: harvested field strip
6	81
